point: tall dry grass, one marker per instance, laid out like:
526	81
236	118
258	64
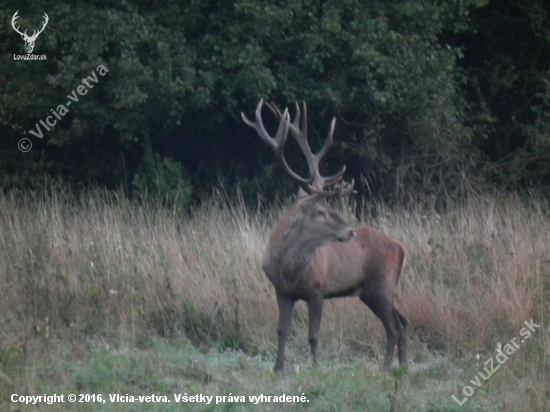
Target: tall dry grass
101	267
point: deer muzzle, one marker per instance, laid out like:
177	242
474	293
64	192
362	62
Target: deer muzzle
346	235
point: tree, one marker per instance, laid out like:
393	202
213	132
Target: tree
180	74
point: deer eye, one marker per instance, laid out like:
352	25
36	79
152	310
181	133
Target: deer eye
320	213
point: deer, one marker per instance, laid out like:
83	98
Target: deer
29	40
313	255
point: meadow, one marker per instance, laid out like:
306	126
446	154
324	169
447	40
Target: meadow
101	295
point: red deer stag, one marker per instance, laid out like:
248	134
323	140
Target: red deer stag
314	255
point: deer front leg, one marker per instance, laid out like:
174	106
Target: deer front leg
286	307
315	309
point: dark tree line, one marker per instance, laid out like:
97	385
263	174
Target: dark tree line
432	98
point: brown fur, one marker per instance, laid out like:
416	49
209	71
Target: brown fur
313	255
368	265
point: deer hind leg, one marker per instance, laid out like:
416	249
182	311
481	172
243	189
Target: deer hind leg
382	307
286	307
315	310
402	333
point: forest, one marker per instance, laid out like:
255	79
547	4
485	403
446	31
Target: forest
433	100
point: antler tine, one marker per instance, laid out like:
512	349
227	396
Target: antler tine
258	125
346	191
328	142
299	132
304	123
13	23
44	24
277	143
300	135
343	191
335	178
274	109
305	184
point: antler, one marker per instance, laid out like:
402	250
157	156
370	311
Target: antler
300	135
277	143
44	24
13	19
34	33
316	183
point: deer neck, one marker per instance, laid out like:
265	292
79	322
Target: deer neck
296	253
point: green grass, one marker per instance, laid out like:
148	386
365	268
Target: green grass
170	367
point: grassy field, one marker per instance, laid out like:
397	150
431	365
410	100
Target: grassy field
100	296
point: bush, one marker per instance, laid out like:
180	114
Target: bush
162	180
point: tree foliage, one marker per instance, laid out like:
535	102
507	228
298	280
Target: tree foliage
429	100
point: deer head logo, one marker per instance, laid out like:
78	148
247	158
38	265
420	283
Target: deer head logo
29	40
